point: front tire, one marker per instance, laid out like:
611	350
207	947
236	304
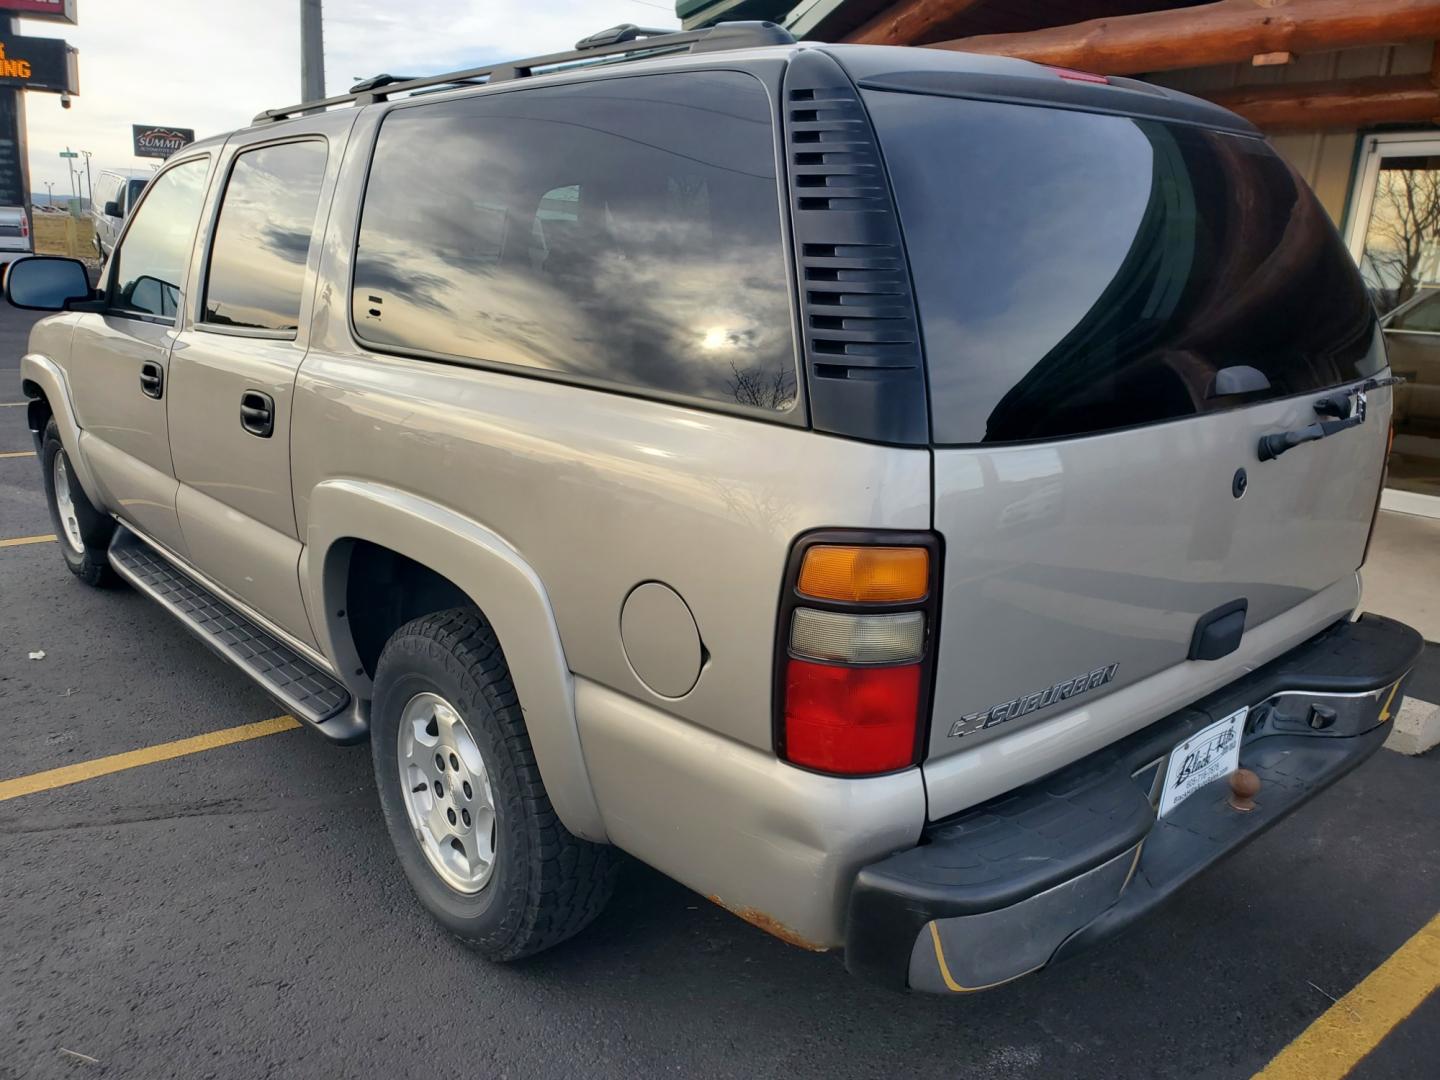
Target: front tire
463	799
82	532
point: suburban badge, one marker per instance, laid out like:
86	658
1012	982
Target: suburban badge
1026	704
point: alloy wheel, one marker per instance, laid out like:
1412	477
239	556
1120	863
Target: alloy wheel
65	503
447	792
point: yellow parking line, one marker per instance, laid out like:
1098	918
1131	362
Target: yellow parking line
1334	1044
20	541
89	770
18	453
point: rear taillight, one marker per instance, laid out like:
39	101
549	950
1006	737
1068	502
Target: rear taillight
854	651
24	224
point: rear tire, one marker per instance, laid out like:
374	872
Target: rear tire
541	884
82	532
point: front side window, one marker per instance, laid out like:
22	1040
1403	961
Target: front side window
262	237
625	231
150	263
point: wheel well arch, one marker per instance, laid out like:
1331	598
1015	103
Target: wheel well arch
38	411
405	553
384	590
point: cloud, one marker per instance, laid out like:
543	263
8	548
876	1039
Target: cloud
211	65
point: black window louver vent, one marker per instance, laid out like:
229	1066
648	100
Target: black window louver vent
862	341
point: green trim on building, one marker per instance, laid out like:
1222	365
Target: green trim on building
697	13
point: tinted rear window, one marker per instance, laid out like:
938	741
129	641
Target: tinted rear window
1078	273
622	231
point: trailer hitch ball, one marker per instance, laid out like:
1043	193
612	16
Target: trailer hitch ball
1244	786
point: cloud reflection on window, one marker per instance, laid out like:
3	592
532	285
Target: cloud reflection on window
626	231
262	239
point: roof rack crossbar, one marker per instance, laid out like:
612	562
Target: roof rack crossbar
617	41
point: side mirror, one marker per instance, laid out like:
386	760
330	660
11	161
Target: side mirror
46	283
112	209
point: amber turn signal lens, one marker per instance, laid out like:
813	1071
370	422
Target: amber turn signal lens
865	575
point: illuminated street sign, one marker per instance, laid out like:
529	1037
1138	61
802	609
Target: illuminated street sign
36	63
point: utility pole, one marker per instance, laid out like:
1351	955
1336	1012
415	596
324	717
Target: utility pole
312	52
89	187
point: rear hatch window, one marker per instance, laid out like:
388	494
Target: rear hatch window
1080	272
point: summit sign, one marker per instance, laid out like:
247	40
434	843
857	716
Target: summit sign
152	140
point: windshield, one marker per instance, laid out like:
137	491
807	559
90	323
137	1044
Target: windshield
1078	272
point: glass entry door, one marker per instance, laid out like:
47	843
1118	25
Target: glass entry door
1395	237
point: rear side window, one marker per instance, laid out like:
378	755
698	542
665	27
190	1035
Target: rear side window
151	260
1078	273
623	232
134	189
262	237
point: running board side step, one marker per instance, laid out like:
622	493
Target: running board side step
310	694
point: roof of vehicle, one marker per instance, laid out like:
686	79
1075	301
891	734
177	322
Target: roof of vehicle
902	69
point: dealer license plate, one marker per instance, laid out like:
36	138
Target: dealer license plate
1209	754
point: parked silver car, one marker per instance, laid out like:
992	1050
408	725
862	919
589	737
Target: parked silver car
916	500
15	240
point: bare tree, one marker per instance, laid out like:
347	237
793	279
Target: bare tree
772	390
1404	227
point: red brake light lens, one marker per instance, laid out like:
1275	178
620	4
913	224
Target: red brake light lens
851	720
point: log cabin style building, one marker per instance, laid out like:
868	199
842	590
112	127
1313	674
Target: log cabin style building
1347	90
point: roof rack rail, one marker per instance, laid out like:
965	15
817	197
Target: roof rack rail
616	34
620	42
377	81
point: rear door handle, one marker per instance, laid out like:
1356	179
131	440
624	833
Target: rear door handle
152	379
257	413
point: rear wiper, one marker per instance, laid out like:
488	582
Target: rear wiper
1346	407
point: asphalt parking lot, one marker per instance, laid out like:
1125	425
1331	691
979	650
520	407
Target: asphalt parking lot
236	912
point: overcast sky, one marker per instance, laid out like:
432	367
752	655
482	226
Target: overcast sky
213	64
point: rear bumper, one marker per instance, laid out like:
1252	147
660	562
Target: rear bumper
1051	868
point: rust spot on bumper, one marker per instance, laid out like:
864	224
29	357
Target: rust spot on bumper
770	925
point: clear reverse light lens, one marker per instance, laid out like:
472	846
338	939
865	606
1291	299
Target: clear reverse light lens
858	639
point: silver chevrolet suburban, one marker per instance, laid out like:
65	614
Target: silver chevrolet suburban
915	500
